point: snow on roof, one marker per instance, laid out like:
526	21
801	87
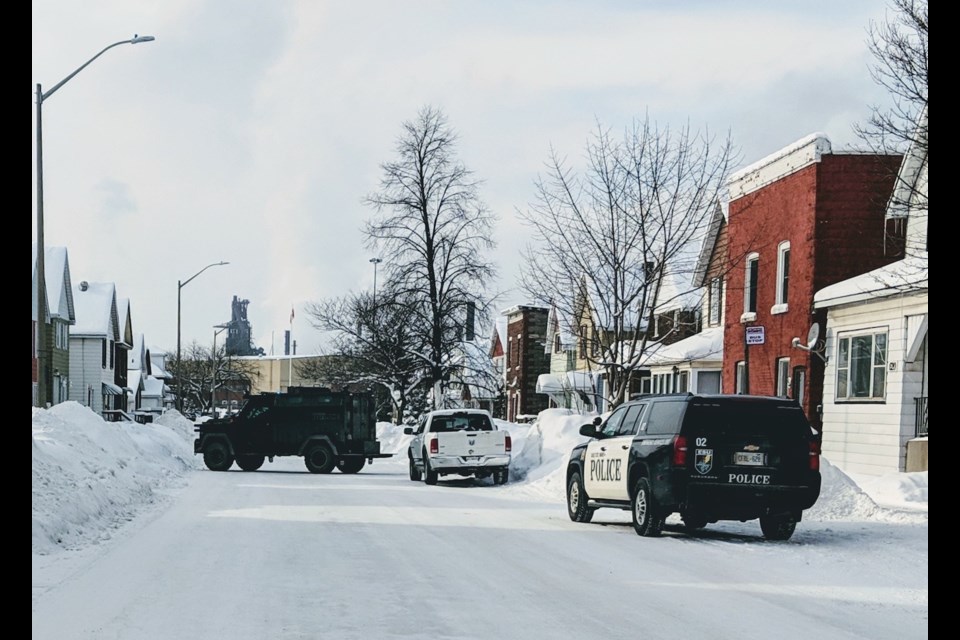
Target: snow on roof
706	345
769	169
95	304
566	381
152	387
907	275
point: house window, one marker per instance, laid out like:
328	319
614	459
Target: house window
583	341
557	348
714	302
862	366
797	384
103	354
740	377
783	277
783	376
683	382
594	345
111	354
750	283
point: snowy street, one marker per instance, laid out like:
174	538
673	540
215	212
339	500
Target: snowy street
282	553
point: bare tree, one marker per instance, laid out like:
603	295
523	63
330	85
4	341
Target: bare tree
433	232
374	344
609	241
195	376
898	46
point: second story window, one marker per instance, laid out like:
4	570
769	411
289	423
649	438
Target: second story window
714	301
750	284
103	354
783	277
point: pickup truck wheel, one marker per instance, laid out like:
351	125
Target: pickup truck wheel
429	475
250	462
647	520
319	458
577	500
351	465
217	456
414	471
778	527
500	476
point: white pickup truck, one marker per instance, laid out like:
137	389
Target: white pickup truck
458	441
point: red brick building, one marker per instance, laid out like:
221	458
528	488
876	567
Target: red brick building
799	220
526	359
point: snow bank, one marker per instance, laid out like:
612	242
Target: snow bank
90	476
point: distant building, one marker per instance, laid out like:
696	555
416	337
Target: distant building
239	342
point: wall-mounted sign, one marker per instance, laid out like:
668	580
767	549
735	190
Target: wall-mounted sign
754	335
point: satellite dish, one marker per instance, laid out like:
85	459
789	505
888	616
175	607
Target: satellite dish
813	335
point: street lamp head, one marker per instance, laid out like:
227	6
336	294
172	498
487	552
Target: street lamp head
376	260
138	39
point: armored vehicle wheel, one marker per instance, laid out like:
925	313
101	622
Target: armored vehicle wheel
647	521
577	500
319	458
500	476
778	527
429	475
350	465
414	471
250	462
217	456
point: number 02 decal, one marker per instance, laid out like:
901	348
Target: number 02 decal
701	442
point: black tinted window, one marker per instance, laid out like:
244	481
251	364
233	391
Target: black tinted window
630	421
665	417
748	418
466	422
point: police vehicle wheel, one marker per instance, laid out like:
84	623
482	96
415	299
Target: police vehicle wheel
778	527
647	521
350	465
429	475
250	462
319	459
577	500
501	476
414	471
217	457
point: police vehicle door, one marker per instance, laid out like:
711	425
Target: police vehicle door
605	469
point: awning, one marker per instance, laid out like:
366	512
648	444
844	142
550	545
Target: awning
111	389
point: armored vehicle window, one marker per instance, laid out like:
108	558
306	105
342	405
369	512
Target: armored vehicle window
664	417
256	411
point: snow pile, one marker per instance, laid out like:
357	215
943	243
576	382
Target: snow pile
90	476
840	497
541	461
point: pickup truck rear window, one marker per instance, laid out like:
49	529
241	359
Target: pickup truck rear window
461	423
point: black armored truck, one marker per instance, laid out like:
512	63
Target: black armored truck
328	428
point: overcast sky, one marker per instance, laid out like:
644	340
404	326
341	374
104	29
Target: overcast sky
249	132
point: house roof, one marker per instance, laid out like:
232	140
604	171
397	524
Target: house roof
769	169
96	306
907	275
709	245
706	345
911	171
56	273
152	387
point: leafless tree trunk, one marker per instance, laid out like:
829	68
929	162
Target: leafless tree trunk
433	233
609	241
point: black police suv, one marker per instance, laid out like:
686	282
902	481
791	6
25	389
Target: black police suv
706	457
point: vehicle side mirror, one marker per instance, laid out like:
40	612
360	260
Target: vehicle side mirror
597	421
408	431
589	430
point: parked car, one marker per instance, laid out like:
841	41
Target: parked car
706	457
458	441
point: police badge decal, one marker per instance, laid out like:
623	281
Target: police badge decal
703	460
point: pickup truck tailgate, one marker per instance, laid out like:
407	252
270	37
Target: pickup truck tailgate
471	443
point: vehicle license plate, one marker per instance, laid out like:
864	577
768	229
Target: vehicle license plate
750	459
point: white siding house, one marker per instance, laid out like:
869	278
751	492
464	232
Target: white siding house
876	379
92	341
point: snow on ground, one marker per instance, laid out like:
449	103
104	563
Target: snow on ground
90	477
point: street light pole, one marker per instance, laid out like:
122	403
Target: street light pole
218	329
181	285
42	357
375	262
